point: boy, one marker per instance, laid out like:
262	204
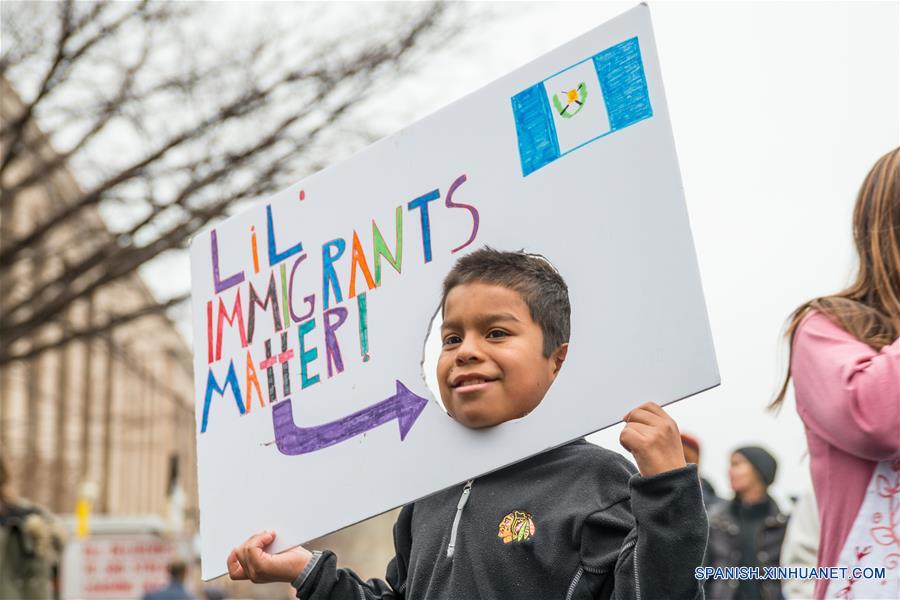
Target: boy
572	523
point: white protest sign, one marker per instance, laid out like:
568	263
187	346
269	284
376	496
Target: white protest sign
117	567
311	309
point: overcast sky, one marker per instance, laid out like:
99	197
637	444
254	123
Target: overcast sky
778	112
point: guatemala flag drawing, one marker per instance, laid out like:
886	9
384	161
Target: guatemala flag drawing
580	104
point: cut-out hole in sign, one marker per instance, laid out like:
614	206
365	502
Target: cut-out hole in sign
430	353
506	339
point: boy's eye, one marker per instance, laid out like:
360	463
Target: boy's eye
497	333
451	339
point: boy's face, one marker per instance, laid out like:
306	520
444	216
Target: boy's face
492	368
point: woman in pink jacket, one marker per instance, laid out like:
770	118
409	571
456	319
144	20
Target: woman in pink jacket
845	362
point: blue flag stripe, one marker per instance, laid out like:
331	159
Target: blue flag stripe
621	73
538	144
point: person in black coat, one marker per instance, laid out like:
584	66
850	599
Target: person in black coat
748	531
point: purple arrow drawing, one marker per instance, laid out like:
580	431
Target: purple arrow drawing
404	406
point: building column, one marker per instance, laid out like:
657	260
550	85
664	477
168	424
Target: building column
87	396
109	422
61	501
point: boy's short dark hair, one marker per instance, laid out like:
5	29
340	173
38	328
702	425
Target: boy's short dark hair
531	275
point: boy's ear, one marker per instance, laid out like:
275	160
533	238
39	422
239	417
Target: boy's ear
559	357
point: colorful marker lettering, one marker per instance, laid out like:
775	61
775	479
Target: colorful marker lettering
213	386
270	303
422	204
474	211
332	350
236	316
382	251
275	256
219	285
329	277
252	384
307	356
358	261
253	248
363	327
311	299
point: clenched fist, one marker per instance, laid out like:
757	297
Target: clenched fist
653	439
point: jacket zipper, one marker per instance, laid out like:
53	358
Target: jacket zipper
459	508
637	578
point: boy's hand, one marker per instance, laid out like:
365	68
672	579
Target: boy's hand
653	439
251	561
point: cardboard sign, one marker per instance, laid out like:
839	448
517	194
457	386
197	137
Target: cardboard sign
117	567
311	309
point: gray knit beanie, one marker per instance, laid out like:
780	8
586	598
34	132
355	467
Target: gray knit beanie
763	462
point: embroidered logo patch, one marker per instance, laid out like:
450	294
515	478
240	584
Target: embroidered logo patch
517	526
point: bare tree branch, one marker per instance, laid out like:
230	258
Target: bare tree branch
108	110
237	108
206	133
128	262
114	248
62	62
72	335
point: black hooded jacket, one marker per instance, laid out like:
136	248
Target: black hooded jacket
572	523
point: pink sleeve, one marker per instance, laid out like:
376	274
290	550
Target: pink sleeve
847	393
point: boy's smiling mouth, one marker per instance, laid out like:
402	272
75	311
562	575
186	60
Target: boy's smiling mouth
470	382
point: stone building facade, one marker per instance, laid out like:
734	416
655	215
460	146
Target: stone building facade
114	410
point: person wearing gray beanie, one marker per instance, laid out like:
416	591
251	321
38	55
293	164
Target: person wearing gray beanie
749	530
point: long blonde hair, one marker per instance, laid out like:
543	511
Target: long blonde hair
870	308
